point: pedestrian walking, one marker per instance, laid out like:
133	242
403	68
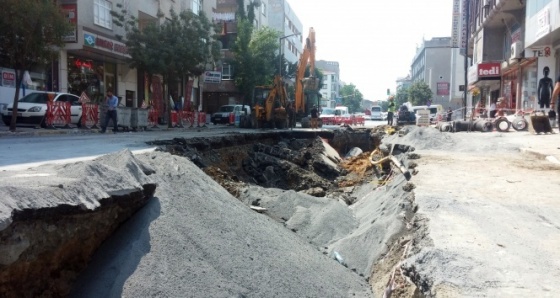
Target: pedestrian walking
111	102
391	110
314	116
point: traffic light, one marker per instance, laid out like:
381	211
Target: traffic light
388	91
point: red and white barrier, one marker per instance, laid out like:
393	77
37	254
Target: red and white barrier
202	119
58	114
90	115
174	119
188	117
152	117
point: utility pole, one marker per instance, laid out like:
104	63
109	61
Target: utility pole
280	52
467	17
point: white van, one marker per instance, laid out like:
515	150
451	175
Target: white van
376	113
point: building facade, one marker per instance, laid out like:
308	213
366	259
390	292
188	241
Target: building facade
93	60
282	18
515	47
431	64
330	91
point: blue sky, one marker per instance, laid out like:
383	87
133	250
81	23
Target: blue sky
374	41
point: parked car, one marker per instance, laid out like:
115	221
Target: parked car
222	115
33	107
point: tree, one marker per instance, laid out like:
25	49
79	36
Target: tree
180	45
31	34
352	98
401	96
419	93
254	52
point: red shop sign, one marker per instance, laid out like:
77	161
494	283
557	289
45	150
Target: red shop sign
489	70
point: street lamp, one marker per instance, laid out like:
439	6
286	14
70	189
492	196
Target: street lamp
280	51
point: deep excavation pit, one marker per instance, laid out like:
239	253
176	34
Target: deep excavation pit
332	166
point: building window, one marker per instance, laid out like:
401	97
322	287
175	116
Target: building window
196	6
102	13
227	71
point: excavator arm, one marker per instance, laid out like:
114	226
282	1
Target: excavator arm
302	83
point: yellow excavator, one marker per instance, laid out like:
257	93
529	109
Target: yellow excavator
306	87
270	103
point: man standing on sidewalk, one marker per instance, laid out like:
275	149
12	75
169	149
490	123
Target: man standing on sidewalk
391	110
112	103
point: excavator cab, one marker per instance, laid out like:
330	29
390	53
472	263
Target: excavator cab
269	106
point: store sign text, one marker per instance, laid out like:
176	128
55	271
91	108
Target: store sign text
486	70
95	41
539	52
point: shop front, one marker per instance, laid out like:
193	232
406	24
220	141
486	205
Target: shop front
92	76
95	64
485	77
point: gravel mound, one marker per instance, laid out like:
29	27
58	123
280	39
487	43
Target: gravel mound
194	239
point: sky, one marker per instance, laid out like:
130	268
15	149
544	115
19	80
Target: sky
374	41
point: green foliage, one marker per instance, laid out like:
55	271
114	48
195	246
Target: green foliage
182	44
352	98
401	96
419	93
254	56
30	33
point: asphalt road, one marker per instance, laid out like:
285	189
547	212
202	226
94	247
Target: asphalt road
31	147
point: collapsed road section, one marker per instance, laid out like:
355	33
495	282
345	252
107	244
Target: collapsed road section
324	220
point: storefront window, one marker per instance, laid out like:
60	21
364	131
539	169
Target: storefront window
93	77
529	87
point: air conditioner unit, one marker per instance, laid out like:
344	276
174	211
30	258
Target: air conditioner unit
516	50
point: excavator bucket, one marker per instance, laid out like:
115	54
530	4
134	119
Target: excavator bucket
539	122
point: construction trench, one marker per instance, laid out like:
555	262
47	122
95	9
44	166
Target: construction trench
345	165
322	186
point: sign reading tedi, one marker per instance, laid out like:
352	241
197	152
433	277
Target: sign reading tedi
489	70
484	71
212	77
105	44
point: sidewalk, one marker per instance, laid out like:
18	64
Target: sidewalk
544	146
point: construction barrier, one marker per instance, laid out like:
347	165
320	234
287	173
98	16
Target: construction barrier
202	119
187	117
174	119
152	117
58	114
359	120
90	115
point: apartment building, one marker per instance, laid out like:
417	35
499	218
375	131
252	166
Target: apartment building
282	18
431	64
223	91
331	82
